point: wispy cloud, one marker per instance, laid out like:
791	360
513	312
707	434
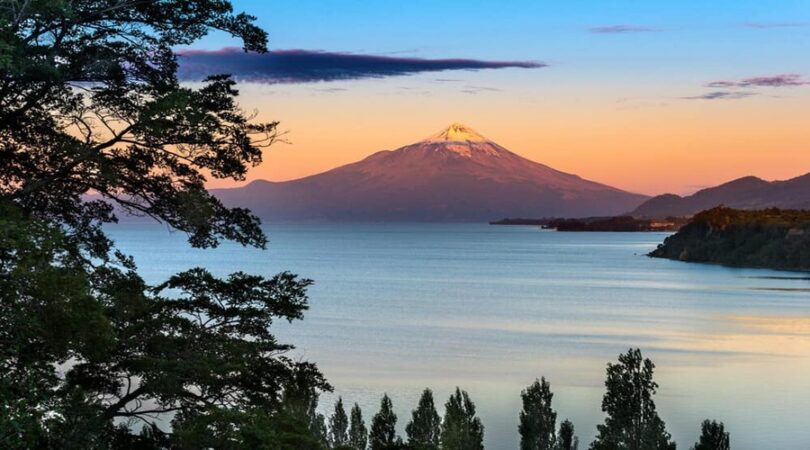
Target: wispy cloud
781	80
478	89
622	29
306	66
721	95
768	25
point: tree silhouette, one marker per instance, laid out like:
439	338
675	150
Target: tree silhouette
461	429
338	425
358	434
566	439
632	422
713	436
538	420
95	123
425	426
383	427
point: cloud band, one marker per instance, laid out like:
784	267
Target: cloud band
307	66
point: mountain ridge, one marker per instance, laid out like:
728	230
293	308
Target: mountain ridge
746	193
454	175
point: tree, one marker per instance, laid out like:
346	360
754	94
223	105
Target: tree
461	429
567	440
537	420
713	436
383	427
358	434
338	425
632	422
425	426
94	123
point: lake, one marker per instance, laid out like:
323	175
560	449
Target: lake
399	307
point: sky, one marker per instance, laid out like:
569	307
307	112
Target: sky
651	97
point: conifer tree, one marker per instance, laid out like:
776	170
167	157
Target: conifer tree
461	429
713	436
338	425
537	420
425	425
358	433
632	422
383	427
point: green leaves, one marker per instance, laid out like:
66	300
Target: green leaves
93	123
537	419
424	429
632	422
461	429
91	104
383	427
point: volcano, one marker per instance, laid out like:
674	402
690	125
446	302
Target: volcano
456	175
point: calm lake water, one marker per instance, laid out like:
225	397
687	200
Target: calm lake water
400	307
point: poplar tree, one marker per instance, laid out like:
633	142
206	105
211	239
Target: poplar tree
713	436
358	433
537	419
383	427
424	428
632	422
566	439
461	429
338	425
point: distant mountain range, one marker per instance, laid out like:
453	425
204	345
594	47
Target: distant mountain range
456	175
742	193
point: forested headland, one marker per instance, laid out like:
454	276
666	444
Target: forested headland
768	238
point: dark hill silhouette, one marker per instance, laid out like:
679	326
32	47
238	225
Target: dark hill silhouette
742	193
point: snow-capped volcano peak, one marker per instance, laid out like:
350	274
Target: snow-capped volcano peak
457	132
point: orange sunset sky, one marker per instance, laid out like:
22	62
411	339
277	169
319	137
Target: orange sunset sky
681	99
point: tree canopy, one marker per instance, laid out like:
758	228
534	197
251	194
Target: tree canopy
713	436
538	419
94	123
632	422
461	428
383	434
358	433
425	426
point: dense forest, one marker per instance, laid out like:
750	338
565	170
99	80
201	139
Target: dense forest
771	238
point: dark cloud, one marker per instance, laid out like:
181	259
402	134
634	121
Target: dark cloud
720	95
306	66
765	25
782	80
620	29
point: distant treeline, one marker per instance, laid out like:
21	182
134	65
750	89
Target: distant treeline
772	238
617	223
631	422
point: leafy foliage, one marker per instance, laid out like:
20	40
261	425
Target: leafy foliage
93	123
567	439
461	429
425	426
713	436
537	419
383	427
339	425
358	433
632	422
